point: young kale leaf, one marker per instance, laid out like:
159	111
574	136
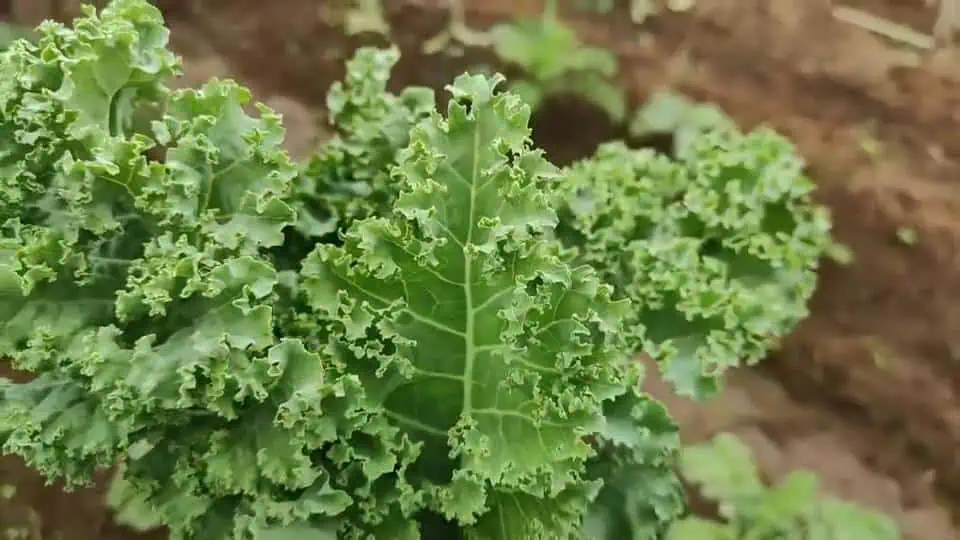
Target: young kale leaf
348	178
685	119
725	472
554	62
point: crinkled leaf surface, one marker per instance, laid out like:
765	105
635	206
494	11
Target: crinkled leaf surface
469	331
349	176
130	507
641	495
137	291
718	248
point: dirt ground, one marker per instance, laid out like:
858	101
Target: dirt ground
867	391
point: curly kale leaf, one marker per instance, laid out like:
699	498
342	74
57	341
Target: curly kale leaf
348	178
70	224
469	332
137	292
718	249
641	494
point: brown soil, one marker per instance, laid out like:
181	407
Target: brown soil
867	391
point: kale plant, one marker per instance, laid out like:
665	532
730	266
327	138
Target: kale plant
398	340
724	471
554	61
436	372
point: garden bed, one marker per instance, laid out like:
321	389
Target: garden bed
867	392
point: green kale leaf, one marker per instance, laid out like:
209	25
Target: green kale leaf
717	249
470	333
137	293
348	178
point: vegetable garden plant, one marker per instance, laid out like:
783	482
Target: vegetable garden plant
426	331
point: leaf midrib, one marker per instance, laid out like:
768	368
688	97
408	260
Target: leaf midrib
469	324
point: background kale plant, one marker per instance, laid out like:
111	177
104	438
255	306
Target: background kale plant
554	61
724	471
